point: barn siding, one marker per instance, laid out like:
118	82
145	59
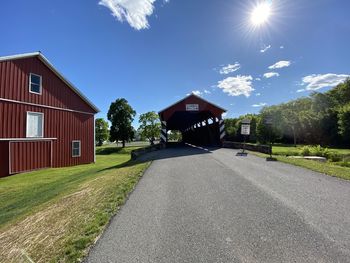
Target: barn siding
63	125
14	85
4	158
29	155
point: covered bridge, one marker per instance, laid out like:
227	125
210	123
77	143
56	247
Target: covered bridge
199	121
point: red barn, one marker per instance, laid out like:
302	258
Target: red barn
44	120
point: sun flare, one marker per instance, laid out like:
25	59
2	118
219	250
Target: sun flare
261	13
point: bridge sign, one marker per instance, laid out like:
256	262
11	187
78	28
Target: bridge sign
192	107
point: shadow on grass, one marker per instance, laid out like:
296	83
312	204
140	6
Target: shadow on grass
109	150
123	165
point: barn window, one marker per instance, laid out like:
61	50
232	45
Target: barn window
35	124
76	148
35	83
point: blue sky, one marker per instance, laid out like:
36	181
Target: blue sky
153	53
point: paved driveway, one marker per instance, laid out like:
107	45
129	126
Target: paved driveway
194	205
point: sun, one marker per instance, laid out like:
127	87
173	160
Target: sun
261	14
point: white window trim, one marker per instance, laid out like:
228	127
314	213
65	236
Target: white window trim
30	84
42	124
79	148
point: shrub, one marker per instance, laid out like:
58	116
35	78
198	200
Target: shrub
334	157
320	151
305	151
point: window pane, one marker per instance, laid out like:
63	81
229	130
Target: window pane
76	149
76	145
75	152
34	125
35	79
34	88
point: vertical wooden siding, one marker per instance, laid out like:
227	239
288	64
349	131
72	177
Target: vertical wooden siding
31	155
14	85
4	158
63	125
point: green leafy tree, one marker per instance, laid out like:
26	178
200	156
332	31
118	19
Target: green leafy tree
175	136
150	126
121	115
344	122
268	129
231	128
101	131
340	95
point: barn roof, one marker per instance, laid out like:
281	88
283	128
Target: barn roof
54	70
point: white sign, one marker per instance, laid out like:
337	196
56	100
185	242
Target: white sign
192	107
245	129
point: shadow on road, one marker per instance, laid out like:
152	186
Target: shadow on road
173	152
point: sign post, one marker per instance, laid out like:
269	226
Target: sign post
245	131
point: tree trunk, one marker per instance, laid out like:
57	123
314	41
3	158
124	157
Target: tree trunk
123	143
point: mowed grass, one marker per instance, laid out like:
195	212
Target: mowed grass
291	150
54	215
325	168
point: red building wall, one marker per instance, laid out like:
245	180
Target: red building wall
14	85
181	106
67	117
63	125
30	155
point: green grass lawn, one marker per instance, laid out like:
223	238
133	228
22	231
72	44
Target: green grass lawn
55	214
289	150
281	153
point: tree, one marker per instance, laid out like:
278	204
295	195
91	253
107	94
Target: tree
101	131
231	128
268	125
344	123
121	115
175	136
150	126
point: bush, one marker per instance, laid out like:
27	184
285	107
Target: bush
305	151
334	157
317	151
320	151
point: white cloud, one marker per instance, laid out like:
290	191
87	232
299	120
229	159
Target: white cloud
265	48
197	92
271	74
261	104
301	90
257	79
280	64
224	114
236	86
230	68
281	47
207	91
135	12
258	94
318	81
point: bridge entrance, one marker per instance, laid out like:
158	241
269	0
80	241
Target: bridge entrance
199	121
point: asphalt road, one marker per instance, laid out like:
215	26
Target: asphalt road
194	205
